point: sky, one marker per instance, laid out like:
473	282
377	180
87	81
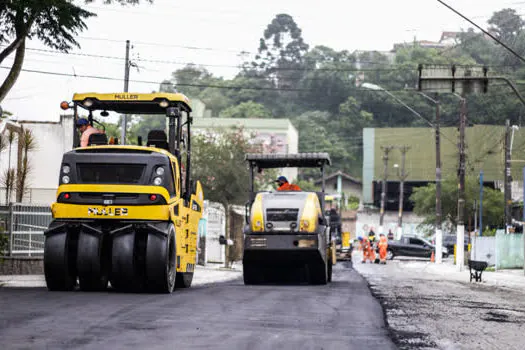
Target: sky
168	34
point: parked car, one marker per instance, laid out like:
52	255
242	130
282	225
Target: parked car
449	241
412	246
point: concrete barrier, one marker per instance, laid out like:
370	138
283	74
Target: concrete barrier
21	265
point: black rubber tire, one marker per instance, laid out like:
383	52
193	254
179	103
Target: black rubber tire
252	275
161	262
391	257
330	267
59	262
93	262
318	273
126	274
183	279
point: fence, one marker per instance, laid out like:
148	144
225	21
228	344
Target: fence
25	224
509	250
484	249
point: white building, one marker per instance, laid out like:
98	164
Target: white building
52	139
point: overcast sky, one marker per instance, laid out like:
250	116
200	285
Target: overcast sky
220	30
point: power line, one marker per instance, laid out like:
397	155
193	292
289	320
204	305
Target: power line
484	31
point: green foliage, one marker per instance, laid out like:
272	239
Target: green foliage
248	109
4	243
307	185
424	199
353	202
218	162
55	23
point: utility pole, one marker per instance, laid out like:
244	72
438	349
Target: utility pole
507	180
439	230
402	177
386	150
124	124
460	256
480	202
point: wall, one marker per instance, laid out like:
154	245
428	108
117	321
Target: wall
368	164
371	218
53	139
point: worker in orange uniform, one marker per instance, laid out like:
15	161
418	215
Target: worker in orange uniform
368	252
284	185
383	248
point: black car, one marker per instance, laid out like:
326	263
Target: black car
449	241
412	246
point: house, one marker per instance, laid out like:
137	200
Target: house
52	139
342	184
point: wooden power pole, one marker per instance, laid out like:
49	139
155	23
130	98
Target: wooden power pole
402	178
507	178
386	150
460	251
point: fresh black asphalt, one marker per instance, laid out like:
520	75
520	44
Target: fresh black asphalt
229	315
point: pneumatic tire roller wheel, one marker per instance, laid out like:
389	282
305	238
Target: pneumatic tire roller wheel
93	260
161	262
318	273
251	275
330	270
59	261
126	265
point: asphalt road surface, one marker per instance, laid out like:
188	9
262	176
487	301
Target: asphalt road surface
229	315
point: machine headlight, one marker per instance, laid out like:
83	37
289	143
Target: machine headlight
160	171
164	103
66	169
87	103
305	223
157	181
65	179
258	224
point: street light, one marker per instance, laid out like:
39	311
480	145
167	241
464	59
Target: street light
375	87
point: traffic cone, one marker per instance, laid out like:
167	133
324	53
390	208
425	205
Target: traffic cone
432	258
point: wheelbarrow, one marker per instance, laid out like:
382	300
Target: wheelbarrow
478	267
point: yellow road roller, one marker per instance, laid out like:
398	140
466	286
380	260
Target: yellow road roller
126	214
287	232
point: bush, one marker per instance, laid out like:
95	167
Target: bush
4	243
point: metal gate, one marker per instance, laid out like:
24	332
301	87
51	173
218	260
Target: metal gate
26	224
215	216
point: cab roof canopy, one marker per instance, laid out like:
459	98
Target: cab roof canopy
283	160
128	103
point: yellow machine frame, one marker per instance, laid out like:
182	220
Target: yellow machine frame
183	209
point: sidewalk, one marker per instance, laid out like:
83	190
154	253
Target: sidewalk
434	306
424	269
211	273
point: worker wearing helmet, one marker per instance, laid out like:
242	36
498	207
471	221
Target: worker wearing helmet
86	131
368	252
284	185
383	248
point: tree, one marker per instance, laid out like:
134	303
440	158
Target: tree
54	22
218	162
506	24
425	203
248	109
281	51
28	144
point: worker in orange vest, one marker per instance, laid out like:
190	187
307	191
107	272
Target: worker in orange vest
284	185
383	248
368	251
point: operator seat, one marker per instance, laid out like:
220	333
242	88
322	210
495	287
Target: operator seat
158	138
97	139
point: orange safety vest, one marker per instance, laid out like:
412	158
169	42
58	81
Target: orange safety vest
289	187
